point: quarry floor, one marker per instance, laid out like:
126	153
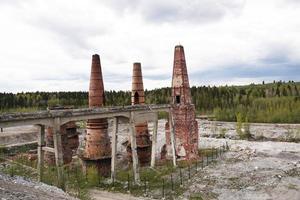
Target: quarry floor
258	170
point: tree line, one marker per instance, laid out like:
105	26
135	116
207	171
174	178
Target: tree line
272	102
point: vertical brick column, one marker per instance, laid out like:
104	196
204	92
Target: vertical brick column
97	150
183	111
142	133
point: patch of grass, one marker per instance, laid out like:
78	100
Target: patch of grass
292	187
206	151
15	169
163	115
222	133
197	196
81	124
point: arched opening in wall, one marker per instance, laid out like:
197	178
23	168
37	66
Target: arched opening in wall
177	99
136	98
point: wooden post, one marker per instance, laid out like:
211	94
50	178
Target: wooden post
135	160
58	150
114	148
40	151
171	125
154	140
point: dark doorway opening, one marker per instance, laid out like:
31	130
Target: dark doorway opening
177	99
136	98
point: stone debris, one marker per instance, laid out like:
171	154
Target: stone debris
19	188
250	170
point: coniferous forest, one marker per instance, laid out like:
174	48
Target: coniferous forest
277	102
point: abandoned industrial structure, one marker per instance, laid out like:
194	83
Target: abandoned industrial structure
58	137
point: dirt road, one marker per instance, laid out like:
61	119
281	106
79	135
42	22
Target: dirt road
104	195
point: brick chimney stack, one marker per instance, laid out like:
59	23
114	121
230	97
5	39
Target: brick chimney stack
137	93
142	134
183	111
181	92
97	150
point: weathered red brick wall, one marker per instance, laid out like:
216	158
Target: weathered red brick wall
97	143
67	150
183	111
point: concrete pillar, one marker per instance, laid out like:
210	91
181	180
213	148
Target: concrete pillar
58	151
154	141
173	144
135	160
41	144
114	148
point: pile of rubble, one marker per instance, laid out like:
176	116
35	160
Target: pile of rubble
16	188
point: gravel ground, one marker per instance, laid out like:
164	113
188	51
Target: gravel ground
262	131
17	188
250	170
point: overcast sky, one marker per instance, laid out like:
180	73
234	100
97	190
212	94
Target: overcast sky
48	45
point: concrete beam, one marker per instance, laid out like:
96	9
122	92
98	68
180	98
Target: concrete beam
48	149
141	117
47	117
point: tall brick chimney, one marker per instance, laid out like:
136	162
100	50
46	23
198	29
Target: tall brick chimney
97	150
142	134
182	110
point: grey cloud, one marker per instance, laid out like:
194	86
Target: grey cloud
158	77
275	63
197	11
11	2
293	1
281	70
73	36
60	77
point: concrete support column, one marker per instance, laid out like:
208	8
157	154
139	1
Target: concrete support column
154	140
135	160
41	144
171	124
58	150
114	148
